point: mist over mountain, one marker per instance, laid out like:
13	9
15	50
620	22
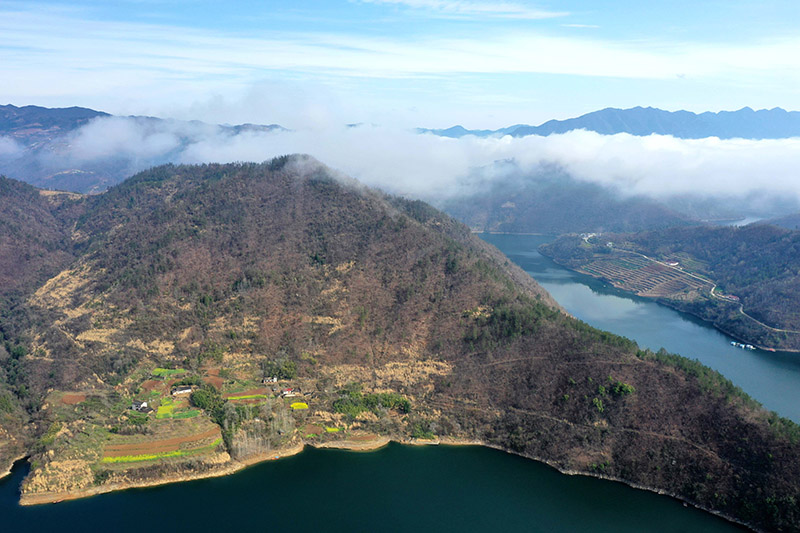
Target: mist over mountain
552	202
745	123
86	151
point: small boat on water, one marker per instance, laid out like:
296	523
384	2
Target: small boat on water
742	345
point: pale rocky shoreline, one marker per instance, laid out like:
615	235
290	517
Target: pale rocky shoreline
230	467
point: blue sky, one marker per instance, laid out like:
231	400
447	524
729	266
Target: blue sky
429	63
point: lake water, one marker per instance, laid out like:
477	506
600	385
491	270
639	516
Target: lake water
772	378
397	488
403	488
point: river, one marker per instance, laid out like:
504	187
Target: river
772	378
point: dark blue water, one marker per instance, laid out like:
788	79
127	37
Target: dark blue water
772	378
398	488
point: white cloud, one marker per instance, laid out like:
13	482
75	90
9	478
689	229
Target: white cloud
435	167
431	166
470	8
9	147
122	137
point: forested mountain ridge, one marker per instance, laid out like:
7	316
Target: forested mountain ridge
754	272
385	316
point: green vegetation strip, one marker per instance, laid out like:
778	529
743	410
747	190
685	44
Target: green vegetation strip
186	414
167	372
352	402
162	455
248	397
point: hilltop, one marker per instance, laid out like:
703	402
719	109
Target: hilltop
300	307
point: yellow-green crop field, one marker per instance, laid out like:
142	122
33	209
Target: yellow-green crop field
167	372
161	455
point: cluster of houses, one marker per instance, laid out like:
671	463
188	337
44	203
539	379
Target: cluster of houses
178	390
141	407
181	390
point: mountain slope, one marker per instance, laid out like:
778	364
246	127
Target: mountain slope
745	123
389	317
554	203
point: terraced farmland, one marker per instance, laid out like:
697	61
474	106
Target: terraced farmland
646	277
175	440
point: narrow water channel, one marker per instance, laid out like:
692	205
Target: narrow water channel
772	378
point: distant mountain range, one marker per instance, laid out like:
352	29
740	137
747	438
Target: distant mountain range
47	149
30	124
745	124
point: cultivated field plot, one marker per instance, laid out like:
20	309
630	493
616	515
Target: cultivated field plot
645	277
249	396
172	438
73	398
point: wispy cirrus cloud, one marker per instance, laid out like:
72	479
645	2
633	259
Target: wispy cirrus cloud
459	8
58	43
69	57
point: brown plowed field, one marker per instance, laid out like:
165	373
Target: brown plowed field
212	377
152	384
73	398
313	429
159	446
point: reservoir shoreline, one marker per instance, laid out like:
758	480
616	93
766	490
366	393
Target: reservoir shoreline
377	443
